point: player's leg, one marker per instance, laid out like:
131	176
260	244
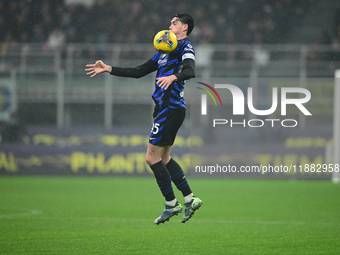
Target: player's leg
158	144
153	159
192	203
163	134
177	175
163	178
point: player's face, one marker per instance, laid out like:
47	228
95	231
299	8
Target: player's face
177	27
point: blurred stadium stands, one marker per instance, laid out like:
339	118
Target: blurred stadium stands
45	45
235	21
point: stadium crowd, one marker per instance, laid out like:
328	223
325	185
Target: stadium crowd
136	21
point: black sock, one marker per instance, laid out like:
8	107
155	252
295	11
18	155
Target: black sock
178	177
163	179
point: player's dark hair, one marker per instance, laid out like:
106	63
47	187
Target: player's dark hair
185	18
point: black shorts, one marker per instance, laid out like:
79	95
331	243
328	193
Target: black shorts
165	125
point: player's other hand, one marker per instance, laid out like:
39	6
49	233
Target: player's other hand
97	68
165	82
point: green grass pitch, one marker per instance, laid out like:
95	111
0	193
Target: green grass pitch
97	215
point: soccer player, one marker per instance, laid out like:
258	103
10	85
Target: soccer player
172	70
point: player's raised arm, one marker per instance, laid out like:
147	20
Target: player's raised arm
97	68
135	72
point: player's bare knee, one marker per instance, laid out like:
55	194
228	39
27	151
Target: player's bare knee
151	160
166	158
148	160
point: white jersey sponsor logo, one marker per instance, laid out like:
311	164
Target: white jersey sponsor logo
163	59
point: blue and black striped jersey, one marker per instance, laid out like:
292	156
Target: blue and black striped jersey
169	64
181	62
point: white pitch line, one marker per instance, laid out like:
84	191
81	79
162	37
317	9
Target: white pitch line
29	213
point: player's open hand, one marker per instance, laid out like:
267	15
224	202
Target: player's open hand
97	68
165	82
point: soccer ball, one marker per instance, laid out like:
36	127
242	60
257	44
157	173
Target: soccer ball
165	41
